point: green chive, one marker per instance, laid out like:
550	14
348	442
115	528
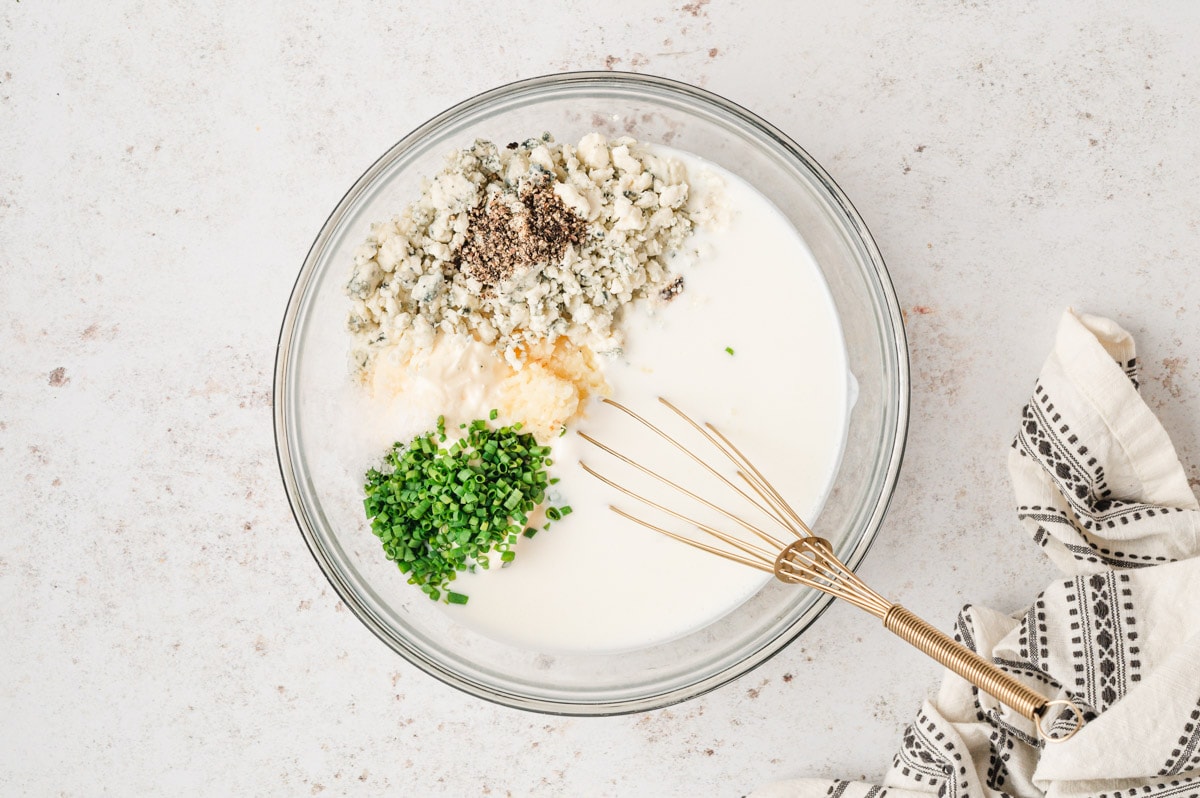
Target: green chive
438	511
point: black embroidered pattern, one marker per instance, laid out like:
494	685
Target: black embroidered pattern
1045	516
918	759
838	789
1131	371
962	629
1176	788
1033	642
1002	746
1104	640
1018	668
1047	439
1065	721
928	755
1013	733
1186	754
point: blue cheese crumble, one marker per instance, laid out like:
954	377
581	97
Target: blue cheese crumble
409	282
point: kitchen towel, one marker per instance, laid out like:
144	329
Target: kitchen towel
1099	487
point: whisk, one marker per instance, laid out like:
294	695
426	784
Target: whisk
807	559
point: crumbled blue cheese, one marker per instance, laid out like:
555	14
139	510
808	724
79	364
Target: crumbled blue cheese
406	284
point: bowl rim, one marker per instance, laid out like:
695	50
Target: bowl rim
898	346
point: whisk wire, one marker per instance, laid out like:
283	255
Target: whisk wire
809	560
776	509
725	447
776	498
812	561
776	506
753	563
693	456
737	519
746	546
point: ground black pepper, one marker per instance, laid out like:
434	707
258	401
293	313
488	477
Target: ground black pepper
504	237
673	290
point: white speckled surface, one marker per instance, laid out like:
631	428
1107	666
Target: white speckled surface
162	174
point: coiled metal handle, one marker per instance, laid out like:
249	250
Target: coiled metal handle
811	561
976	670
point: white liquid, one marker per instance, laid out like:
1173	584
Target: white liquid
598	582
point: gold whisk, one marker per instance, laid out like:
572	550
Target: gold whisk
809	560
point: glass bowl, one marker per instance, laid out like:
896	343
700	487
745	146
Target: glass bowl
311	377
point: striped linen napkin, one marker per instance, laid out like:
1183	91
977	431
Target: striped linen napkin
1099	487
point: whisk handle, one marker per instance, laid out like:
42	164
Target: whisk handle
974	668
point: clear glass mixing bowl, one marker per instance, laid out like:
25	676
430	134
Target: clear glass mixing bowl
311	375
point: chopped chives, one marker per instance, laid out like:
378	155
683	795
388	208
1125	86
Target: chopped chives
438	511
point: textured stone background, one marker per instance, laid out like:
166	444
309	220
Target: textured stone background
162	174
